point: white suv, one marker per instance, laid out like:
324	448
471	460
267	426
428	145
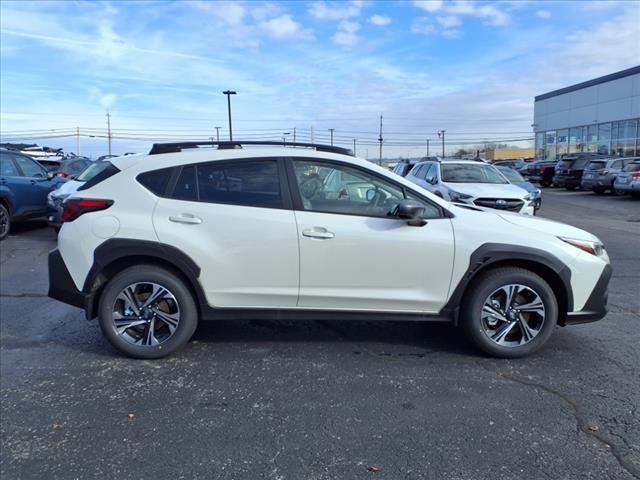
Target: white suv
156	243
472	182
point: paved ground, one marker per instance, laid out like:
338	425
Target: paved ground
322	400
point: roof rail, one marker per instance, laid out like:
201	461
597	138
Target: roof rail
159	148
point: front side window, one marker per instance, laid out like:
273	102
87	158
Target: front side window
247	183
471	173
512	175
7	167
350	191
30	168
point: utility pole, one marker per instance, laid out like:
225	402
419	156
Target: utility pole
78	141
294	134
109	130
228	93
380	140
427	147
331	130
441	135
312	140
217	134
354	146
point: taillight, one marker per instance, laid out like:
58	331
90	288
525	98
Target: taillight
74	207
62	174
542	169
635	175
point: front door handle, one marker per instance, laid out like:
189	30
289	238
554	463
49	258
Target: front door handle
187	218
318	232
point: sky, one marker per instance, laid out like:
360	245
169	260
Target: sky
471	68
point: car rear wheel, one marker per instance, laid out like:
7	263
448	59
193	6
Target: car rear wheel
5	222
599	190
509	312
545	183
147	312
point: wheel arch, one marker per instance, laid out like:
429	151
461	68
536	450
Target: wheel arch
5	199
115	255
491	256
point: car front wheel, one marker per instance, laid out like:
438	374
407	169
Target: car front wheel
509	312
147	312
5	222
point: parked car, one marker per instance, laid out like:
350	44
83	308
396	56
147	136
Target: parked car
600	174
154	244
541	172
628	180
24	186
517	164
51	163
569	169
516	179
404	166
56	197
471	182
72	166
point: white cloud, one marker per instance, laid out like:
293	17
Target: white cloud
231	13
598	5
346	34
452	33
284	26
544	14
336	10
490	12
449	21
422	26
379	20
428	5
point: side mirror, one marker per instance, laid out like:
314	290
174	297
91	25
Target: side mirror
51	175
412	211
371	193
431	180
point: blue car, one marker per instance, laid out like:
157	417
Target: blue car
519	181
24	186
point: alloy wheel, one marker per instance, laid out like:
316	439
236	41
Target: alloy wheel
4	222
513	315
145	314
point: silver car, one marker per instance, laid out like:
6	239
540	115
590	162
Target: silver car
601	173
628	181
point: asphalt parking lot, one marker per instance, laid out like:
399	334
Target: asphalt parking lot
322	400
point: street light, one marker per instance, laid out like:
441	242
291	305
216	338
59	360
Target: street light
332	130
284	138
217	134
441	135
228	93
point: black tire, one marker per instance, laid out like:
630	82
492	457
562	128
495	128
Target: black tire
569	188
5	221
188	312
545	183
471	320
599	190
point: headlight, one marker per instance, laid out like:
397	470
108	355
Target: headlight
528	196
458	197
594	248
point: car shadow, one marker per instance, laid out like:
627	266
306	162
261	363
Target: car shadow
32	228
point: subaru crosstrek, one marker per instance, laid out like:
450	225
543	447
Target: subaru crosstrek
155	243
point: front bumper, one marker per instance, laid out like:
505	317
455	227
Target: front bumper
596	306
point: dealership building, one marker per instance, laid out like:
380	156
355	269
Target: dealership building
601	115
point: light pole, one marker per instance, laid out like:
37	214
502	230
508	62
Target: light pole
441	135
217	134
228	93
331	130
284	138
427	147
354	146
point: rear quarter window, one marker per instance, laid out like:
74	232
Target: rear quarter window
156	181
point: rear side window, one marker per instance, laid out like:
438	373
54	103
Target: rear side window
7	167
596	165
186	188
249	183
107	172
632	167
156	181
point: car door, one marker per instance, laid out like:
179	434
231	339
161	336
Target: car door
355	255
233	218
30	187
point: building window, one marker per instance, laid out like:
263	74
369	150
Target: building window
624	143
604	138
592	138
539	146
550	145
575	140
562	142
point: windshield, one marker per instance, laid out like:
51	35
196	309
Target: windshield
470	173
632	167
511	175
91	171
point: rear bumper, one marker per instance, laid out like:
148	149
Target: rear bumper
628	187
596	306
566	181
61	286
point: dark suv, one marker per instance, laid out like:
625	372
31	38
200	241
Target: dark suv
569	169
24	186
541	172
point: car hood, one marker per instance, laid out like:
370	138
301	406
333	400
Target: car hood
488	190
548	226
67	188
529	187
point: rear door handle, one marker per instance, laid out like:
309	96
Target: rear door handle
186	218
318	232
